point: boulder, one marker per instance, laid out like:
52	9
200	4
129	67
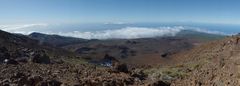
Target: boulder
40	58
120	67
34	80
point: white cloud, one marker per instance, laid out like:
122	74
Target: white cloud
21	28
125	33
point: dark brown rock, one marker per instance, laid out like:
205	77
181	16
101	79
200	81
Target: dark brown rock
41	58
120	67
34	80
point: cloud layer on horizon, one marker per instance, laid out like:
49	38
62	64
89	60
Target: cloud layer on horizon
125	33
22	28
122	33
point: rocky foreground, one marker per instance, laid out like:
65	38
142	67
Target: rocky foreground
27	67
34	74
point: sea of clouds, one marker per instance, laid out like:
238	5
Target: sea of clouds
126	33
121	33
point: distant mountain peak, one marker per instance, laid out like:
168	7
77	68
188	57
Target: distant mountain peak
55	40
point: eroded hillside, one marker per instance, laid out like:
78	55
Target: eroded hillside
212	64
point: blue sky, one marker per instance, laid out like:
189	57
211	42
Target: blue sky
102	11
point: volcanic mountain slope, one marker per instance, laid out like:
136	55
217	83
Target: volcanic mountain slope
212	64
25	62
143	51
